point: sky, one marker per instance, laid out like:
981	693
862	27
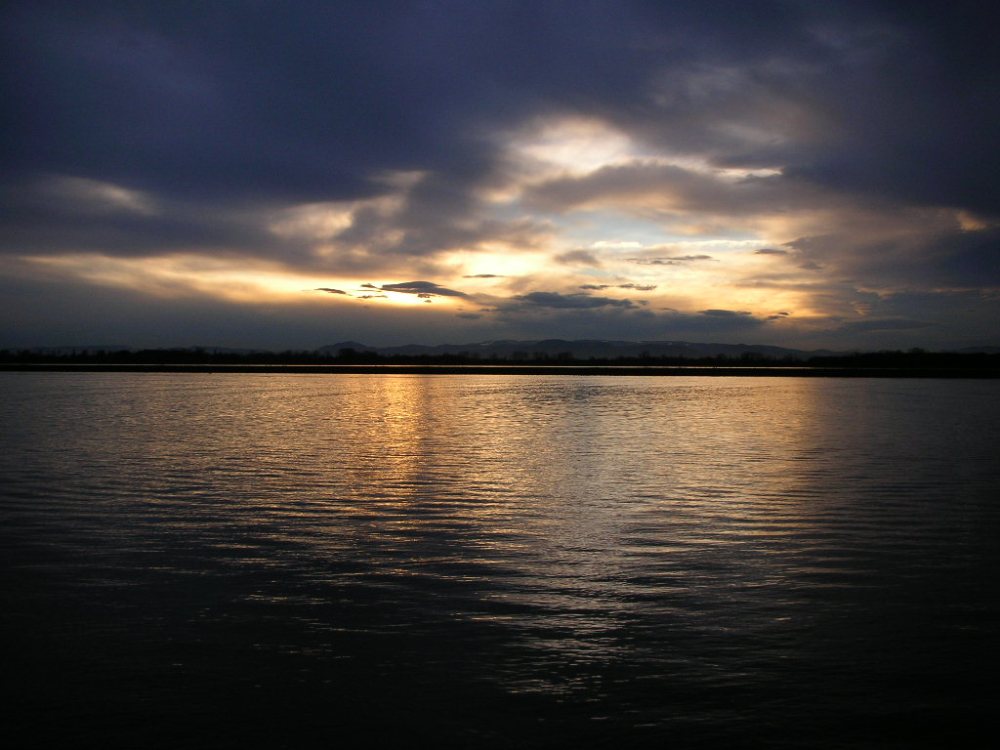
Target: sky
287	175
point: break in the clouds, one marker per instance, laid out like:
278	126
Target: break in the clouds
792	172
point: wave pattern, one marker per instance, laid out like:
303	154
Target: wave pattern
502	560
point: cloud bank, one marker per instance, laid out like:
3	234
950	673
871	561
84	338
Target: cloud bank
795	173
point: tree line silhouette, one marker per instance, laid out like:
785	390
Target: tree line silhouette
913	358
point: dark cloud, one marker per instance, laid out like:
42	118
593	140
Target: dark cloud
423	289
484	276
960	317
959	258
148	94
717	324
932	143
628	321
330	290
726	313
770	251
41	217
887	324
634	324
933	258
437	213
578	258
570	301
327	95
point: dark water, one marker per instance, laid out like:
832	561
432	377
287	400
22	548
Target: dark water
268	560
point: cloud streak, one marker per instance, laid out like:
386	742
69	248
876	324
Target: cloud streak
558	301
421	289
673	260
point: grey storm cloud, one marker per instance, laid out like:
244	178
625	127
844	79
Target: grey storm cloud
599	321
571	301
714	313
932	259
142	93
714	322
886	324
423	289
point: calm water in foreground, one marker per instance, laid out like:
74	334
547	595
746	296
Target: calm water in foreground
271	560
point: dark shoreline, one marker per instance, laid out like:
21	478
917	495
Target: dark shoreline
615	370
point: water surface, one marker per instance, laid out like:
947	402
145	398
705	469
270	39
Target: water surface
225	559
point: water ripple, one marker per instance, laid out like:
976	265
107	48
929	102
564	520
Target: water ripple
734	562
